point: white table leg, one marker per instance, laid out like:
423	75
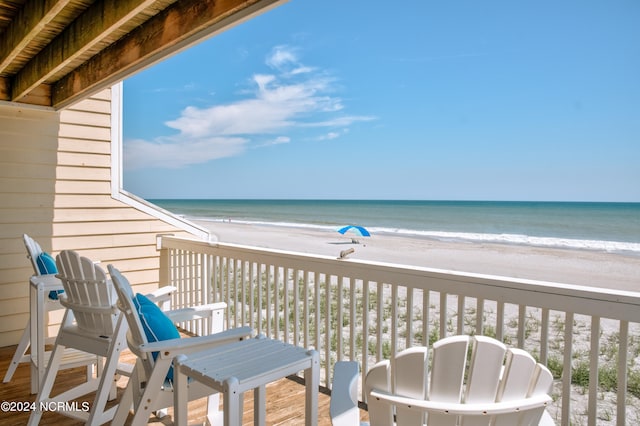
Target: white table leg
312	382
180	393
231	403
259	405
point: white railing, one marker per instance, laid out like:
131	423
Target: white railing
367	311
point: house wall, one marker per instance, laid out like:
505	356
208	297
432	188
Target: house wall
56	185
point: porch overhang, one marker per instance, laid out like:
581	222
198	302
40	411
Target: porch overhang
56	52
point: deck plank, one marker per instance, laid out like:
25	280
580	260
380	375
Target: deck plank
285	399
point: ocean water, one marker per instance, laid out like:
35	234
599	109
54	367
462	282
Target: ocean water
611	227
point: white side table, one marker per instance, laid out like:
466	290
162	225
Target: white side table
249	364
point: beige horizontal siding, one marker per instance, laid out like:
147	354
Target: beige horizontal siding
22	170
79	145
65	201
83	187
85	132
55	185
79	159
102	214
83	173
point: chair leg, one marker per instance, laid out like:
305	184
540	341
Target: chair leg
19	353
126	402
214	415
151	394
97	415
47	385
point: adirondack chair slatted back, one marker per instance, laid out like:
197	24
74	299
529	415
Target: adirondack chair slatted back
33	251
343	408
92	325
464	370
409	374
379	377
136	336
88	293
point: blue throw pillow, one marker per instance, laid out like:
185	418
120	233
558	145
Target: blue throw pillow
157	326
47	265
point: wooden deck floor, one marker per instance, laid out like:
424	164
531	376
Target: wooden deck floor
285	399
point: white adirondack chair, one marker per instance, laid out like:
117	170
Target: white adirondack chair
503	386
149	388
72	359
343	407
93	324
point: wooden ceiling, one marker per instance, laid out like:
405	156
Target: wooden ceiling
56	52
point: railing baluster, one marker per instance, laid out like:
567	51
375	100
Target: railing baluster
567	369
306	302
460	322
352	318
252	296
594	353
544	336
365	328
623	350
244	297
394	320
277	291
409	320
269	280
339	319
327	332
426	328
285	304
479	316
296	307
500	321
237	293
379	321
443	315
522	320
259	299
317	321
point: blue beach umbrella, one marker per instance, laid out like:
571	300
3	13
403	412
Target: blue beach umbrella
358	230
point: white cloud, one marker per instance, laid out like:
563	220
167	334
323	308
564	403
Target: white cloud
329	136
174	152
282	139
281	56
277	141
295	96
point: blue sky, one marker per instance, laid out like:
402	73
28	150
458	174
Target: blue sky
455	100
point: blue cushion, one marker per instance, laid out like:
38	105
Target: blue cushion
157	326
47	265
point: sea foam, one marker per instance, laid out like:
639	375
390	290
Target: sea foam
517	239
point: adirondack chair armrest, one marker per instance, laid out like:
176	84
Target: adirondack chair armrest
195	312
173	347
537	401
163	294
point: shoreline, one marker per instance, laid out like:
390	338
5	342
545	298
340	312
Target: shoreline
568	266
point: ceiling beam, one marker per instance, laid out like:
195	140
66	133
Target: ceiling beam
28	23
181	25
41	95
99	21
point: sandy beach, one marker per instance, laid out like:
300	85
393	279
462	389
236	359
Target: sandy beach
580	267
